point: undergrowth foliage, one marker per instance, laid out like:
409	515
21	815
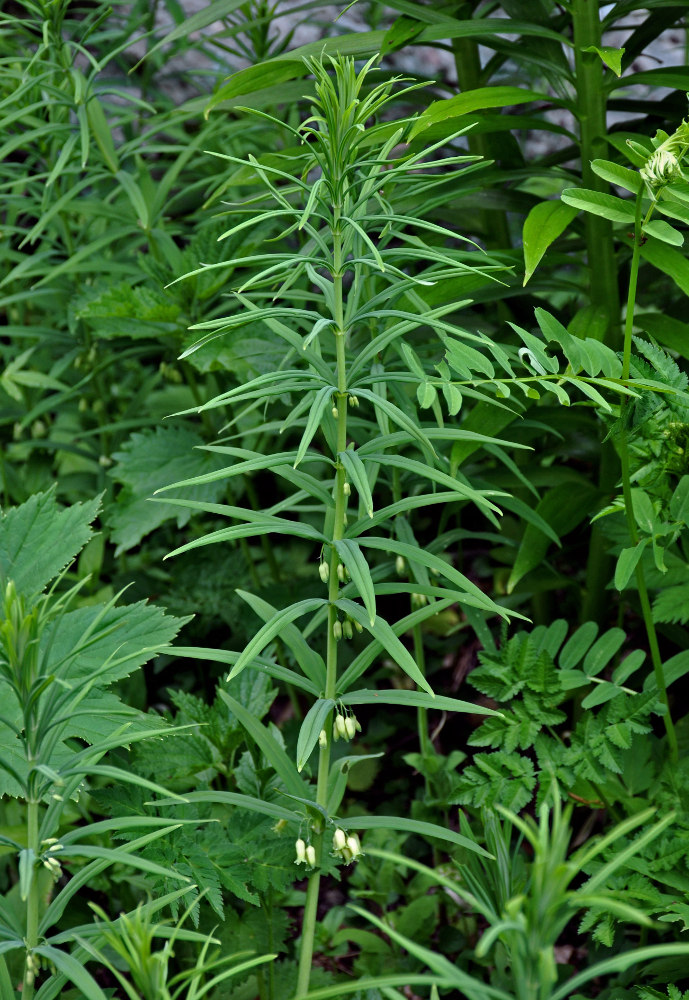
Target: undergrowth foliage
425	486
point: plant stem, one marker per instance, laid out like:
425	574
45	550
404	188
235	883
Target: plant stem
32	902
425	745
627	488
468	67
591	111
604	292
311	906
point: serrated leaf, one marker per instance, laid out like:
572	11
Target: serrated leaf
149	461
39	539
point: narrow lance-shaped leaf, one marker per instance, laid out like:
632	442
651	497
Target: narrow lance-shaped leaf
355	470
271	629
311	728
354	560
391	644
319	404
270	748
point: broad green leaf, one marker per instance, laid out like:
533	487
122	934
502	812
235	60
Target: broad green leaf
679	503
402	31
353	558
602	651
381	630
270	748
272	628
563	507
610	56
669	261
311	727
203	18
414	699
577	645
674	668
663	231
473	100
627	562
608	206
614	173
149	461
544	223
39	539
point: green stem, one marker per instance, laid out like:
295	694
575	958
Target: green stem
604	292
468	67
32	902
591	111
338	525
623	448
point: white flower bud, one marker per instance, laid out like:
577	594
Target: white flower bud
340	573
300	848
400	565
324	572
347	489
341	726
358	626
354	846
322	738
311	856
353	400
350	727
339	840
347	629
335	412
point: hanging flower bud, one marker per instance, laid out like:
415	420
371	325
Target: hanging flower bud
335	412
418	600
311	856
339	840
337	631
324	572
358	626
354	846
347	489
400	565
341	723
300	848
352	726
322	738
347	629
340	573
353	401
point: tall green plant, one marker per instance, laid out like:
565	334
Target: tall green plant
58	662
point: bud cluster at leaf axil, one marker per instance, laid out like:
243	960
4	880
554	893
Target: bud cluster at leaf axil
345	727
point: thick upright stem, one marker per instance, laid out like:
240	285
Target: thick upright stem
311	905
591	110
604	292
627	492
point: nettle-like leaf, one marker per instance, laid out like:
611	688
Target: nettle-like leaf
40	538
148	461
